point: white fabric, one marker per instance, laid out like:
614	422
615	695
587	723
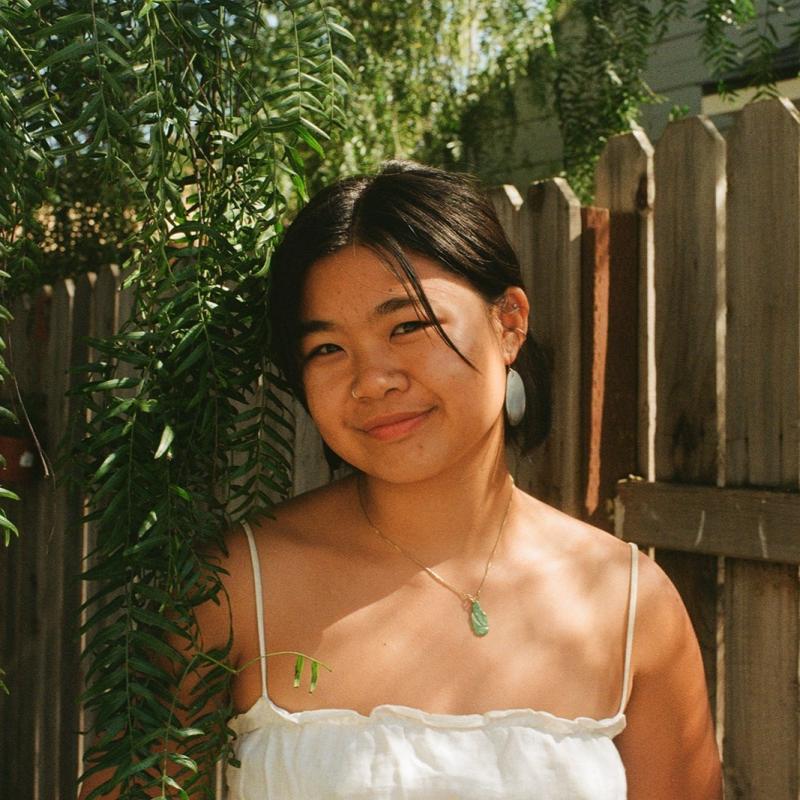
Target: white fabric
401	753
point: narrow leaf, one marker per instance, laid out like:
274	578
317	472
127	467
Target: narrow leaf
166	440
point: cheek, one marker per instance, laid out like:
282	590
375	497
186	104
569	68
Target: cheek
320	393
485	354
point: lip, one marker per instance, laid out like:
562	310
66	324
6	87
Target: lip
394	426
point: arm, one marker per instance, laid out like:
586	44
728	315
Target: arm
668	746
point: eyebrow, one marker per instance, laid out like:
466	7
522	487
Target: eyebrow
309	326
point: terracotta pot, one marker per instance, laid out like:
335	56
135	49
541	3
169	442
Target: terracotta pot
20	459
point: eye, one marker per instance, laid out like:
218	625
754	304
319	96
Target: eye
322	350
411	326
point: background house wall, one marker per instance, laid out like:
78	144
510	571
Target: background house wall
514	137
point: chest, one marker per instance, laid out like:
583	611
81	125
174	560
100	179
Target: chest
393	635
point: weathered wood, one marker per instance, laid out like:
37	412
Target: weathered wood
690	246
104	321
107	301
625	184
507	202
689	236
556	290
764	243
16	749
739	523
763	406
595	289
71	686
56	562
84	326
41	516
23	757
624	174
515	217
761	637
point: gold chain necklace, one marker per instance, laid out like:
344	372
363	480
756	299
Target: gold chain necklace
478	620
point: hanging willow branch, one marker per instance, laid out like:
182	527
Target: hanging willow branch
192	113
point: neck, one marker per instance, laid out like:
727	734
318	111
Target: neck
455	515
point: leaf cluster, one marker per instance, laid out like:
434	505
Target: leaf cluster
185	122
418	67
599	50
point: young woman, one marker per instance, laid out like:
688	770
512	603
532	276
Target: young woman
482	644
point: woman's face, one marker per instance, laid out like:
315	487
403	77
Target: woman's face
387	394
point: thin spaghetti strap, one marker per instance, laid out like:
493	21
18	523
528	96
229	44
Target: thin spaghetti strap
262	648
632	591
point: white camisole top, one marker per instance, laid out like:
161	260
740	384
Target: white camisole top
403	753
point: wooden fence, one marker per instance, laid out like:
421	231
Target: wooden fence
672	316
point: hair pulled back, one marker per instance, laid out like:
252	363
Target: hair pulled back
405	208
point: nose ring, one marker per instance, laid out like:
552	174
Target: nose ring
354	395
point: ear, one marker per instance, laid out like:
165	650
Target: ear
512	313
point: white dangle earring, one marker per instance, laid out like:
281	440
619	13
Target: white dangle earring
515	397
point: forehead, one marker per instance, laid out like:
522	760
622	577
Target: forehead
355	280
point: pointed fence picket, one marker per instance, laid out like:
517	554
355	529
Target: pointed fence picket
689	222
762	363
727	277
671	315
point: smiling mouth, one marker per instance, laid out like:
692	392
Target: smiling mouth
395	426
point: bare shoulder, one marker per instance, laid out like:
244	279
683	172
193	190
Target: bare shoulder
310	520
281	538
668	745
662	624
663	628
595	559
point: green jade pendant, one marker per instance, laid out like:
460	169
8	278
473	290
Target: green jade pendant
478	620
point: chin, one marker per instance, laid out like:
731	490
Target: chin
407	467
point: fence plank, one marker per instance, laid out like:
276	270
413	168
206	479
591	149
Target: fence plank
689	268
16	748
516	218
25	759
85	325
690	243
624	184
555	216
507	202
106	310
763	406
55	558
741	523
72	502
103	314
596	483
309	468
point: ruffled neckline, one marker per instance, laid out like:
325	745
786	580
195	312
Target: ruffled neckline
264	712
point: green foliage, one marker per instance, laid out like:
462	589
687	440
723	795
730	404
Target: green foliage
428	73
596	60
418	67
191	117
605	46
172	136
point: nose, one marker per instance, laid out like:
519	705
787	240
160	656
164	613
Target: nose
375	381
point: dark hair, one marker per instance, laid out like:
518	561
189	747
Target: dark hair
405	208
